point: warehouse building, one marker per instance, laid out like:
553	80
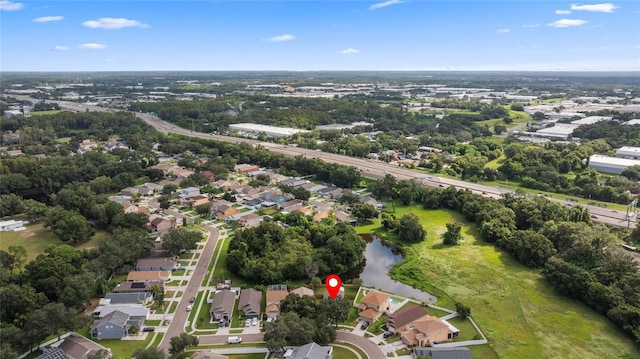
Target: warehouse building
613	165
629	152
270	131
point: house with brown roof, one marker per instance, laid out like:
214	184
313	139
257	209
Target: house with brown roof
160	224
398	321
75	346
372	305
427	330
148	276
195	201
304	291
223	209
245	168
249	304
290	206
275	295
210	176
132	208
250	220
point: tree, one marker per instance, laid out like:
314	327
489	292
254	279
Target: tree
13	258
364	212
164	201
410	230
169	189
337	310
180	343
203	209
452	235
180	240
149	353
18	301
289	330
55	318
69	225
463	310
498	129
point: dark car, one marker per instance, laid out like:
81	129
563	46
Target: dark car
192	299
148	329
364	325
387	335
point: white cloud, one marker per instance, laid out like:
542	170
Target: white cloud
92	46
349	51
528	26
567	23
563	12
111	23
380	5
503	31
60	48
281	38
48	19
10	6
605	7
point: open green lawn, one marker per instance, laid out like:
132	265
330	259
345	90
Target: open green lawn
36	238
123	349
48	112
521	314
343	353
220	272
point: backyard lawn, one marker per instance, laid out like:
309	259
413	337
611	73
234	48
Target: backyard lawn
519	312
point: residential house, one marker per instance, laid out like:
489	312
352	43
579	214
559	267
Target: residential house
143	190
304	210
195	201
181	172
120	199
222	305
129	191
398	320
314	190
14	153
75	346
273	196
276	177
136	287
136	311
304	291
132	208
370	200
252	201
127	298
340	294
208	355
425	331
245	168
210	176
115	325
343	217
320	216
223	209
250	220
166	168
155	187
189	192
275	294
86	146
288	182
148	276
250	300
309	351
442	353
372	305
156	264
160	224
330	192
290	206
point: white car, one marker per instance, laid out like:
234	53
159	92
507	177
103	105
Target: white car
189	307
254	321
248	323
234	340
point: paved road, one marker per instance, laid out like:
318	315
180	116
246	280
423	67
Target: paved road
372	350
222	339
176	327
369	168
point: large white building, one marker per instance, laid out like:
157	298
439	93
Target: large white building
608	164
628	152
11	225
271	131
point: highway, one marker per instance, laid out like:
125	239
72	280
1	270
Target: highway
368	168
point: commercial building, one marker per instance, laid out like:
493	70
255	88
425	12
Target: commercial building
270	131
629	152
613	165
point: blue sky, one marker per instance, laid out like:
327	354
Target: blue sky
304	35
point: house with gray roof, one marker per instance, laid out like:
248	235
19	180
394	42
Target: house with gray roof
127	298
133	310
222	305
161	263
115	325
133	287
309	351
250	300
442	353
75	346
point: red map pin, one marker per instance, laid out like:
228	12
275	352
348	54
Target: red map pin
333	283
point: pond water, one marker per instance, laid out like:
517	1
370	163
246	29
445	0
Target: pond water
374	271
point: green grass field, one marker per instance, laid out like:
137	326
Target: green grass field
519	312
36	238
48	112
342	353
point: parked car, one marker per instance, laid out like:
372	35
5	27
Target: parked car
149	329
234	340
192	299
364	325
189	307
247	323
387	335
254	321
